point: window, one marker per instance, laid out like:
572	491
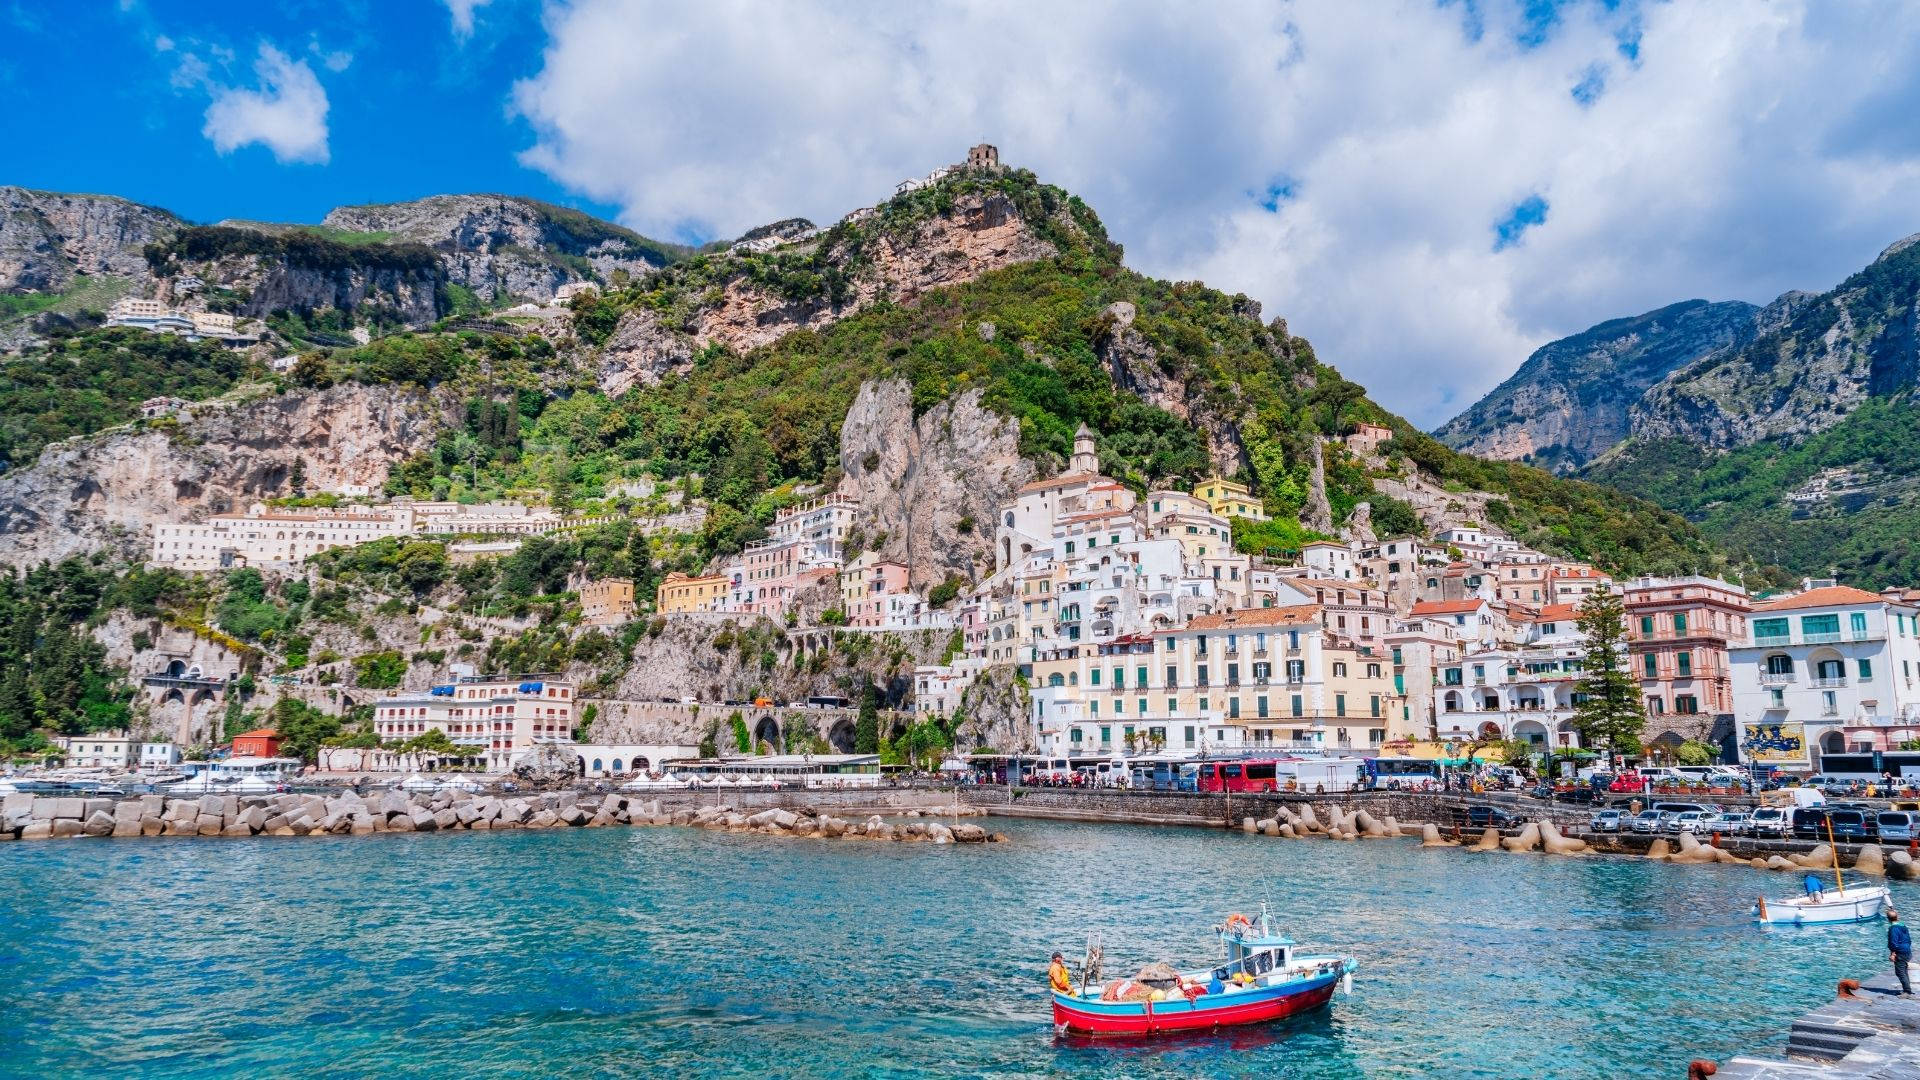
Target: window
1857	622
1297	706
1093	677
1820	627
1375	700
1233	708
1202	680
1140	676
1260	705
1831	669
1296	670
1683	664
1396	656
1119	678
1779	664
1866	669
1686	703
1173	706
1339	671
1173	676
1646	626
1189	735
1769	628
1650	665
1233	674
1339	704
1373	671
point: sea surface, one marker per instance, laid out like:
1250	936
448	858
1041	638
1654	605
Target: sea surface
676	952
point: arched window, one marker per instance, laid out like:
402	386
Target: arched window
616	766
596	765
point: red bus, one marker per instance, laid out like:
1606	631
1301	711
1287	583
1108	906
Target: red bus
1237	776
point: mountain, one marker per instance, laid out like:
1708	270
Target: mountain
1813	360
1570	401
930	354
1787	435
387	266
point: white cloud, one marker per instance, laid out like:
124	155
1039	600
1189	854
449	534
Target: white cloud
462	12
1725	151
287	113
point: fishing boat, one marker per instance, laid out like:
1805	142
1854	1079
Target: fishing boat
1261	979
1840	904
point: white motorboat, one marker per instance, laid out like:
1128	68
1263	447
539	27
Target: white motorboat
1854	903
208	783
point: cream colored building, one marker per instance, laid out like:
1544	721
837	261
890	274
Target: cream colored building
607	602
494	717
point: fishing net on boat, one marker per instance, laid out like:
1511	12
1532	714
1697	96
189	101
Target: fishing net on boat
1159	975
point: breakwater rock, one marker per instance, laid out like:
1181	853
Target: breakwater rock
29	817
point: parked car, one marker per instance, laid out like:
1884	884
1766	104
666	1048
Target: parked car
1649	821
1481	817
1606	821
1771	821
1691	821
1898	825
1540	791
1729	824
1810	822
1686	807
1858	826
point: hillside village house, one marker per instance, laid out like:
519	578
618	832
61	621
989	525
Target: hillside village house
607	602
678	594
1230	499
1679	631
270	536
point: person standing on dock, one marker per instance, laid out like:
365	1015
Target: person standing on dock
1899	950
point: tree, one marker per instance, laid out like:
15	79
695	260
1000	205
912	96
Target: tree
1607	710
866	728
710	742
303	728
741	740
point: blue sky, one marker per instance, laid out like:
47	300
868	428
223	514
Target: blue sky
1426	189
106	97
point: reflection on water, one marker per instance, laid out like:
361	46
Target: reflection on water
624	952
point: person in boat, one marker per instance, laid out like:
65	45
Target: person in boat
1816	888
1058	976
1899	950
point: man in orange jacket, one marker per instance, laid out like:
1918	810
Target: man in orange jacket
1058	977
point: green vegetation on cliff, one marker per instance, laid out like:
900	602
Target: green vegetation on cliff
1868	535
81	384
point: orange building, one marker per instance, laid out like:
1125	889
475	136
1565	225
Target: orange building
260	742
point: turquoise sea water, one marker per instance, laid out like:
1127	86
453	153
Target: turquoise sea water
649	952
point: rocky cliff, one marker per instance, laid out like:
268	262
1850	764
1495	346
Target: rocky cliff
508	247
743	301
1814	361
107	490
929	486
1570	401
47	238
1135	366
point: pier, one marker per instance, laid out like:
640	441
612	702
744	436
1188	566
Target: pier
1875	1034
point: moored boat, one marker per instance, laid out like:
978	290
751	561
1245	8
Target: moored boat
1262	979
1854	903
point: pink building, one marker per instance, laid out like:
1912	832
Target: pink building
1678	631
866	587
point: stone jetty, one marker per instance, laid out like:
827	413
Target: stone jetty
28	817
1866	1031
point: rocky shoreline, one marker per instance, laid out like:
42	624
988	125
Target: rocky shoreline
29	817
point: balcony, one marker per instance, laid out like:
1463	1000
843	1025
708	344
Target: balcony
1776	678
1820	639
1771	640
1827	684
1259	654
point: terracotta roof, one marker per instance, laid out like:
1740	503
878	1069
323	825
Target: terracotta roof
1062	480
1244	618
1832	596
1446	607
1555	613
1331	583
259	733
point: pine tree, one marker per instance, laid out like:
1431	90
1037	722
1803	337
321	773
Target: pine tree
866	729
1607	710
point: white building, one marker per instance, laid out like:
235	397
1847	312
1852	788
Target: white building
114	750
1841	662
494	717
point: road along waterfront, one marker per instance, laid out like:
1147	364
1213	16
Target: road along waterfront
634	951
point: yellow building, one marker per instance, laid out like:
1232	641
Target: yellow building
1229	499
607	602
680	594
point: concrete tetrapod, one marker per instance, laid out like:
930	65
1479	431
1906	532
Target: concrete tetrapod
1528	839
1430	836
1820	858
1900	865
1557	844
1489	840
1659	849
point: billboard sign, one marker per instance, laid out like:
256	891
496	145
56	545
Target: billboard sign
1774	744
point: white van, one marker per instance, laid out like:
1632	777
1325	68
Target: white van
1051	770
1113	774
